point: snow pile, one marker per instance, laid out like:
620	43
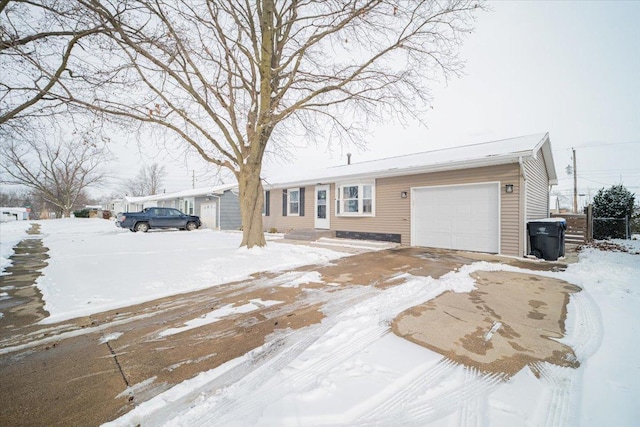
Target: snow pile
11	233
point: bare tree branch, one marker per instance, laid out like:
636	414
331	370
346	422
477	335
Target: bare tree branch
37	42
58	171
237	79
147	182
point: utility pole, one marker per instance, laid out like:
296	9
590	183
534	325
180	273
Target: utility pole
575	183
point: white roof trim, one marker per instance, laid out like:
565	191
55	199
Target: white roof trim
464	157
194	192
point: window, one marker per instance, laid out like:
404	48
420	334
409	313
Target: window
188	206
266	203
294	201
355	200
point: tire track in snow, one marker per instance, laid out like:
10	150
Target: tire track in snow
471	410
269	382
300	381
561	405
415	381
447	402
443	389
254	373
555	408
587	329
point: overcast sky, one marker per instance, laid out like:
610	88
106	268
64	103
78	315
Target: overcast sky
568	68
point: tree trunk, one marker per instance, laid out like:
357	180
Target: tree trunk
251	200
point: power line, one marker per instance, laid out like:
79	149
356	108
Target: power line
606	144
600	144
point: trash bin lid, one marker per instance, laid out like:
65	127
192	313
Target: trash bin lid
550	220
561	222
547	226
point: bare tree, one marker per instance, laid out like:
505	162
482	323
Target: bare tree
238	79
147	182
14	197
58	171
38	40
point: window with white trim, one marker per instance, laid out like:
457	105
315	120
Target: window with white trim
293	205
355	199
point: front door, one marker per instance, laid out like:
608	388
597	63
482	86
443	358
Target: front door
322	207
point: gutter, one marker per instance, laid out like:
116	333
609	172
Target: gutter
523	192
218	208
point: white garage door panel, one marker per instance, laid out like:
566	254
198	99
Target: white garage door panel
462	217
208	214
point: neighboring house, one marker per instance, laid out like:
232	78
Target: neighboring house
477	197
115	206
14	214
218	207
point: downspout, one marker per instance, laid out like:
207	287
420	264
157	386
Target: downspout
218	208
523	195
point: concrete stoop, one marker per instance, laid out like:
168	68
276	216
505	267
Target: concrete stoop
309	234
372	245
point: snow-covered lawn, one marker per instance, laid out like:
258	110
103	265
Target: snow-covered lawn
349	370
96	266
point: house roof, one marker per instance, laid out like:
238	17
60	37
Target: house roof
193	192
491	153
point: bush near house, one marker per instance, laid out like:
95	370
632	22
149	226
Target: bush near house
612	211
83	213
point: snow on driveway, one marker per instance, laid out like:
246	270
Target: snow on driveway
349	370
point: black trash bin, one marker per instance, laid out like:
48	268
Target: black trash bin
546	238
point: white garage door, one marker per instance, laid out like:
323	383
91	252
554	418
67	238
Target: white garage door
464	217
208	215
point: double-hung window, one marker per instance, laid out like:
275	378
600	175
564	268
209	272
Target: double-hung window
356	199
294	201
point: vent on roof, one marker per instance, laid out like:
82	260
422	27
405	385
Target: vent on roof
348	158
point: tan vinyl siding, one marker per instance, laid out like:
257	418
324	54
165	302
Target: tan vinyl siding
393	213
284	224
537	197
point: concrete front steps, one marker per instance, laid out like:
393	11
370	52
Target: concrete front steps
309	234
327	239
358	245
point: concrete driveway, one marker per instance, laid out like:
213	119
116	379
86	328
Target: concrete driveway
76	373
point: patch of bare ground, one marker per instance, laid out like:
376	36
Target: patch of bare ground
605	245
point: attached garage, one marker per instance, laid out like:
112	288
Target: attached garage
464	217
